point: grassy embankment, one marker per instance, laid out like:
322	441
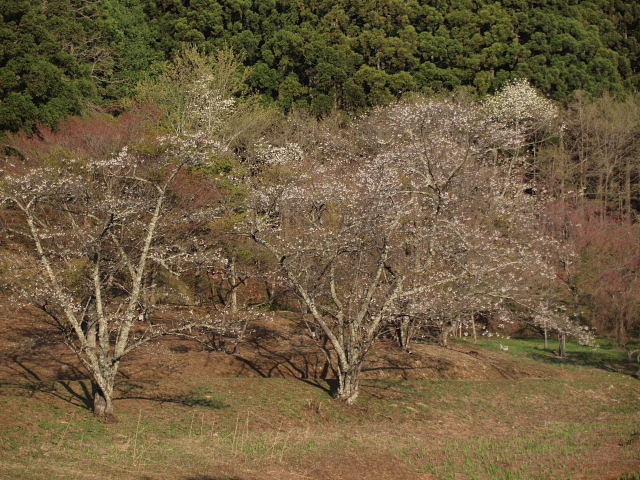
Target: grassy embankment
584	423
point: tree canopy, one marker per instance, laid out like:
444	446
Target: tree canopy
58	55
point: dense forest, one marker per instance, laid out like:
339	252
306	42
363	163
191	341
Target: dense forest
61	57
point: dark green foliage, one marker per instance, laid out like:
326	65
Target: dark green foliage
346	54
40	80
56	55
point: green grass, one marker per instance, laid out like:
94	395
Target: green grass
240	428
605	355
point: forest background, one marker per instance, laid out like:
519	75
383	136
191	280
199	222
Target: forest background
59	57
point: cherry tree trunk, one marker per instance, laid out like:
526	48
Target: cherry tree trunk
473	328
348	386
233	280
621	333
103	403
546	337
444	335
404	333
562	347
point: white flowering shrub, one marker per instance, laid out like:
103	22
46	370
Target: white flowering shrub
287	154
203	95
196	91
548	317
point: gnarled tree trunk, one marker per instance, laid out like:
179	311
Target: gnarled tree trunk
405	332
103	403
348	385
444	334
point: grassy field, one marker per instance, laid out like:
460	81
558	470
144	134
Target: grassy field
582	423
604	356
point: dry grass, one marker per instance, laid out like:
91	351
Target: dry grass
588	427
189	416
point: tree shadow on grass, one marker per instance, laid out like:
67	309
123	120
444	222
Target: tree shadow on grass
201	477
600	359
75	388
306	366
188	399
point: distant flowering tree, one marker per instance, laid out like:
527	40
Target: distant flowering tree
202	94
529	115
520	105
98	228
550	318
491	222
412	220
196	91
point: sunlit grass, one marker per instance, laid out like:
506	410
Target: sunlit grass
500	429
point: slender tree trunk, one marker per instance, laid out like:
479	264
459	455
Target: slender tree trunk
473	328
562	344
621	333
606	193
601	195
90	329
212	287
444	335
546	336
270	288
404	333
627	190
233	279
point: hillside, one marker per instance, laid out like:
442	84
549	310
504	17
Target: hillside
466	412
199	286
59	57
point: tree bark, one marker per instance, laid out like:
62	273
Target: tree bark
103	403
404	333
270	288
473	327
348	385
621	332
546	336
233	280
627	191
562	346
444	335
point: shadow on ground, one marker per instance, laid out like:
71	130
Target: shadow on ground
202	477
606	357
73	386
